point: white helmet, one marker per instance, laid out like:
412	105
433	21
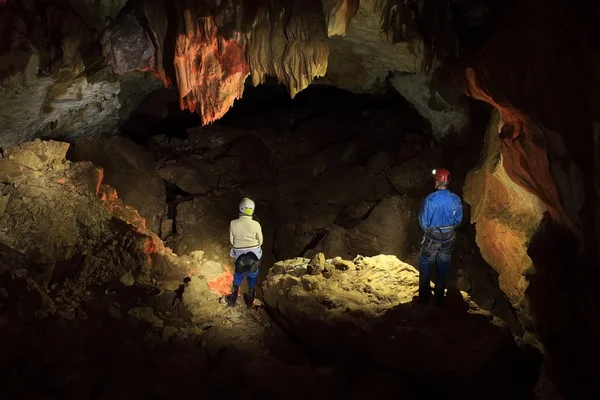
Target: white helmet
247	206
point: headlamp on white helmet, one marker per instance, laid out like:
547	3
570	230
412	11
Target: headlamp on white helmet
247	206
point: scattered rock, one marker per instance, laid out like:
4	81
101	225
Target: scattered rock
197	256
342	265
382	283
38	154
316	264
296	267
127	279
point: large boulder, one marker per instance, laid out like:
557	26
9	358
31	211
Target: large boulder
365	305
58	216
127	45
128	168
390	228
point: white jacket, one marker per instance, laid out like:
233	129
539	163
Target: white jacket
245	233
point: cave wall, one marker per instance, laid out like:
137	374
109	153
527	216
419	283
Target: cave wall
54	81
533	206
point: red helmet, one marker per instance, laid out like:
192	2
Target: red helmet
441	175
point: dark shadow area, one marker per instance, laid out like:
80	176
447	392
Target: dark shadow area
564	307
427	351
264	102
104	352
265	106
159	114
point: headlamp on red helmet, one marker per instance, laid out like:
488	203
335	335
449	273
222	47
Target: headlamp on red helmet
441	175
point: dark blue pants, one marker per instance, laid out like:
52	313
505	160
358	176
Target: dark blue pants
238	278
435	248
246	265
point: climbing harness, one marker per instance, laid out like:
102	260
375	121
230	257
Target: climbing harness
430	236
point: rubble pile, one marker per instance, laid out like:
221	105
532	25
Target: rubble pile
77	263
361	312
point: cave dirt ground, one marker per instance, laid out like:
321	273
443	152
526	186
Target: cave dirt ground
105	357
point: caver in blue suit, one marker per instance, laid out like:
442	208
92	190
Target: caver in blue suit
440	214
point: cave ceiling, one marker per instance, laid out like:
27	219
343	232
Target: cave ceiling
82	66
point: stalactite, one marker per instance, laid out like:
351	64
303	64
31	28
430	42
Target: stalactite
211	69
215	52
338	14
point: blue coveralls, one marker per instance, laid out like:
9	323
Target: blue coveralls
441	212
238	278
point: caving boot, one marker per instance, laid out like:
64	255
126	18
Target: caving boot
251	294
232	297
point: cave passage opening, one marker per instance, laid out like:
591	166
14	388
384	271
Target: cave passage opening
318	166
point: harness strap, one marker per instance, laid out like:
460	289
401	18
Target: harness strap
439	228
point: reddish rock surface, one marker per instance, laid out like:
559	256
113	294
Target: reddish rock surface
211	69
536	234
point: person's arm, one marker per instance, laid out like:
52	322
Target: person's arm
424	215
259	235
458	212
230	234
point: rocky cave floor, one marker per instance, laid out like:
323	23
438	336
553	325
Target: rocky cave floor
110	296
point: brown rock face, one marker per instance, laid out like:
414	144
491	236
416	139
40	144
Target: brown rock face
502	207
75	228
391	228
531	203
128	168
53	75
203	224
